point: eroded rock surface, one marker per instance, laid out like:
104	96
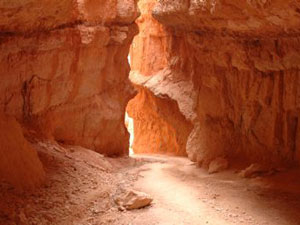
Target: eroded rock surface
20	164
64	69
157	110
159	127
133	200
218	165
241	61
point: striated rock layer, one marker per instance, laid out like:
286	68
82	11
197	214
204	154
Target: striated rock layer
64	69
238	63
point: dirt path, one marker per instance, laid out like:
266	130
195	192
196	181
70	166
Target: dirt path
81	187
184	194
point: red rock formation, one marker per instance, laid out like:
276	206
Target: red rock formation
64	69
159	126
20	164
148	50
64	72
238	65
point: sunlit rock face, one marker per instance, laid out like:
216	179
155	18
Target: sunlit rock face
148	51
64	69
159	126
238	63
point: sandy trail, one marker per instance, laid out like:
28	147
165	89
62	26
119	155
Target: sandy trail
82	185
185	194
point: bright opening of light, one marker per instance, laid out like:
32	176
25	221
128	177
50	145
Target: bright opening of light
130	127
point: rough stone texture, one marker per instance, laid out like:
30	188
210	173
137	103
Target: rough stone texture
159	126
20	164
148	50
241	60
218	165
134	200
260	18
64	69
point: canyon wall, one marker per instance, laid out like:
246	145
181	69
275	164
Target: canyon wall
20	164
159	126
64	69
233	69
63	66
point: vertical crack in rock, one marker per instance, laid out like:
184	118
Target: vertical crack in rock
26	95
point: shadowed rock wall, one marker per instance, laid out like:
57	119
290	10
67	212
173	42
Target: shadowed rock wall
238	66
64	69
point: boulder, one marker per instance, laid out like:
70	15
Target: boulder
217	165
255	170
134	200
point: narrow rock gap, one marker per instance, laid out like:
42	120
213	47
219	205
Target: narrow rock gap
129	123
121	112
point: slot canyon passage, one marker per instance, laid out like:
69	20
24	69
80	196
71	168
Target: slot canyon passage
210	97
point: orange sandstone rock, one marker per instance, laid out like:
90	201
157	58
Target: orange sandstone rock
148	49
159	124
159	127
239	64
20	164
245	70
64	69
